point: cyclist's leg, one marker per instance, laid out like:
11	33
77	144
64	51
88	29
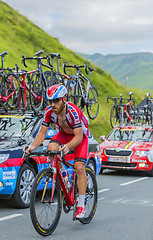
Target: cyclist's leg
80	154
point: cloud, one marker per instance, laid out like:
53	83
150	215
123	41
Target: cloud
89	26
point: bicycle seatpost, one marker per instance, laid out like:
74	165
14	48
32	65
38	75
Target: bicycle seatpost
130	94
121	95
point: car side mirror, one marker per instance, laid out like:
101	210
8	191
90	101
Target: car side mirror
102	138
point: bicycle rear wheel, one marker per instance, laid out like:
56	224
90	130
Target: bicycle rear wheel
49	75
12	86
79	91
36	92
45	215
92	103
91	196
53	78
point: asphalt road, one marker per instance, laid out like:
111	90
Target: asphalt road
124	212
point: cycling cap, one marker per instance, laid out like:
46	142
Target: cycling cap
56	91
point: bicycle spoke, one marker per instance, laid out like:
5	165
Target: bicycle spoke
45	214
36	92
92	103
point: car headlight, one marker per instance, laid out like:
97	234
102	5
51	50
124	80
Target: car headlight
141	153
4	157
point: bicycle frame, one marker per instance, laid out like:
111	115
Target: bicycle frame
128	114
88	84
25	86
69	196
2	96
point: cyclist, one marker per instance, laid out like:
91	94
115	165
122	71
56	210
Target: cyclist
73	134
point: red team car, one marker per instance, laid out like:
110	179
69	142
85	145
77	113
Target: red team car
128	148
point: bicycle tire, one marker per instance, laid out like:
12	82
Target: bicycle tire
92	103
36	88
115	116
90	198
45	215
53	78
12	86
78	95
49	78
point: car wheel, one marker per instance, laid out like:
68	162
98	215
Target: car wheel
21	196
91	164
151	173
101	170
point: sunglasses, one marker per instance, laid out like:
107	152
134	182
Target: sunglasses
55	100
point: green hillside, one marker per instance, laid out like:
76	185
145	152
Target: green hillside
138	67
20	36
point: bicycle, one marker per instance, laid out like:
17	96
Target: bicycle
116	114
54	77
46	195
38	83
147	115
83	93
121	112
22	97
8	86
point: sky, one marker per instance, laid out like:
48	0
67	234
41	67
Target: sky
93	26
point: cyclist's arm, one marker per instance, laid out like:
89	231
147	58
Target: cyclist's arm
40	137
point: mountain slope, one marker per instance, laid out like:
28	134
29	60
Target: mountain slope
136	67
19	36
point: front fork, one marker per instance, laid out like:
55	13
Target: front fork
54	171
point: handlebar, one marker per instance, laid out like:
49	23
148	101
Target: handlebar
47	153
78	67
31	58
121	98
87	67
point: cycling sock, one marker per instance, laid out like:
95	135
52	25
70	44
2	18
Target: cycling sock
81	200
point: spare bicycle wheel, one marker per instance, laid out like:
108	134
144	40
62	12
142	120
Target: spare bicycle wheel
36	92
92	103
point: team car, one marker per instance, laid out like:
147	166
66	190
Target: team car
128	148
16	174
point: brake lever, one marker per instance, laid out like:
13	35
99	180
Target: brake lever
63	158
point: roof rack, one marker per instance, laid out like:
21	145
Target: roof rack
135	125
20	112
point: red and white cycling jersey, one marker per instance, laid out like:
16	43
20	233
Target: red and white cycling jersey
74	118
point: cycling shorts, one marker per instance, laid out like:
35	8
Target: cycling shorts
80	151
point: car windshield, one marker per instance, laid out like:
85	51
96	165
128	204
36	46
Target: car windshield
131	135
14	126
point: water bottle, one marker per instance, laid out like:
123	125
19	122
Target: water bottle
66	179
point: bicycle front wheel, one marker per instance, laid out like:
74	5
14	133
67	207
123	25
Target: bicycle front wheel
36	92
92	103
45	215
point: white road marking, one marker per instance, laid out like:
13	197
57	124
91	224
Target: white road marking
137	180
103	190
10	217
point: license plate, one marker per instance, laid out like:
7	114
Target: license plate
117	159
